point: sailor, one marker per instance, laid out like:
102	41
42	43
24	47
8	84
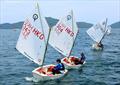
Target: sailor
58	67
100	44
80	60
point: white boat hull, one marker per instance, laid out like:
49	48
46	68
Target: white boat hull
70	65
40	76
95	47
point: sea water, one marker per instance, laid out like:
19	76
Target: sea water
101	68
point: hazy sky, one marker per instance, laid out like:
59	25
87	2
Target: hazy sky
90	11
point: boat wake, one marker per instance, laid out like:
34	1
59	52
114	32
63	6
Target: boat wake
31	79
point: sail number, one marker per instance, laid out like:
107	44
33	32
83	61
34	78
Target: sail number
62	27
28	28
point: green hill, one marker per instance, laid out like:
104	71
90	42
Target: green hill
84	25
51	23
115	25
11	26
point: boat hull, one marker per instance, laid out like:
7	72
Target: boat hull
95	47
48	75
70	65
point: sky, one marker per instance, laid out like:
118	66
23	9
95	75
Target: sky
91	11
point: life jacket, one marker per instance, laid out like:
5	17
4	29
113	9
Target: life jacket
61	66
82	58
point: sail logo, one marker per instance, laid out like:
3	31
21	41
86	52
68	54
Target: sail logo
103	30
96	26
69	17
103	23
35	17
39	60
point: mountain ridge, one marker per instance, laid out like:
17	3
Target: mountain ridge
51	22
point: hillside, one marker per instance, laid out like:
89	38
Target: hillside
115	25
51	23
17	25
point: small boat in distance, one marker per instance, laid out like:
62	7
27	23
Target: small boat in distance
62	38
33	42
14	29
97	33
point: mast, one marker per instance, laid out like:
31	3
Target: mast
46	42
73	36
105	30
41	20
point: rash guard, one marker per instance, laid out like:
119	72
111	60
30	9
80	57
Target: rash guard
59	66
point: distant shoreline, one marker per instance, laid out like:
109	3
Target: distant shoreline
51	23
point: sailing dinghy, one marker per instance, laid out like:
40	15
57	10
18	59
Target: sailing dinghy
62	39
32	43
97	33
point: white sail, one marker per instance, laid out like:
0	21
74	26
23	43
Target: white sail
98	31
63	34
33	37
109	29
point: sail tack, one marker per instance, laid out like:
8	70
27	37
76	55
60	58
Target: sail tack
98	31
33	37
63	34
